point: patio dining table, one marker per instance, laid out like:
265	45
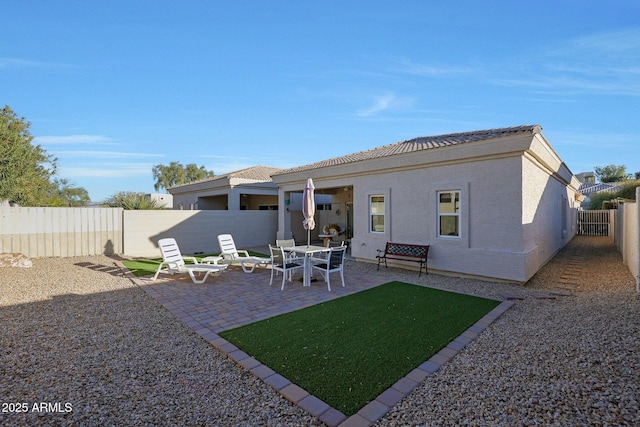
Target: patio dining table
308	251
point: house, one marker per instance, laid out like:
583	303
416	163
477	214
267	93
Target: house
586	177
161	200
497	203
246	189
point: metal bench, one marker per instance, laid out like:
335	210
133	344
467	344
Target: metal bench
404	252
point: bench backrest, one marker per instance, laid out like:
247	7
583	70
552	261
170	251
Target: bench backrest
406	249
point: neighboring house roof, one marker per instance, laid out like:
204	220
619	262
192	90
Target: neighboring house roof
418	144
253	174
588	189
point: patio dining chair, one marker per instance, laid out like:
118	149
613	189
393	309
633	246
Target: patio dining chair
173	262
334	262
286	243
280	262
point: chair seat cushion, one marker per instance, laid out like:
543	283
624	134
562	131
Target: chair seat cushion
289	265
293	265
324	266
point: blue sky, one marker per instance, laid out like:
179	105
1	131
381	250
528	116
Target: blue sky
113	88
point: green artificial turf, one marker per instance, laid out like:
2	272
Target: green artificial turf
349	350
145	267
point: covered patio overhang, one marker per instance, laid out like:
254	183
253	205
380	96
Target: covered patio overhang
334	204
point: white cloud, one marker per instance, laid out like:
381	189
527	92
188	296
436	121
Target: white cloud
113	171
609	141
428	70
72	139
605	64
625	42
26	63
384	102
93	155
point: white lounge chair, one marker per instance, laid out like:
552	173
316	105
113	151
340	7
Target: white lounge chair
173	262
231	255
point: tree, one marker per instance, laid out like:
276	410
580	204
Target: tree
612	173
627	191
25	169
63	193
132	201
176	174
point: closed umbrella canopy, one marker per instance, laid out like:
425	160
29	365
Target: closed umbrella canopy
308	209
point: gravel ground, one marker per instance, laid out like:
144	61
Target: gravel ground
96	350
72	335
573	360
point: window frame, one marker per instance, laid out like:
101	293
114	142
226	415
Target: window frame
383	214
462	241
456	214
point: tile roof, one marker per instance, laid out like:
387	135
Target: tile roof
417	144
254	173
588	189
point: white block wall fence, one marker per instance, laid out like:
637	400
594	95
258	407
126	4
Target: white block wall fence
67	232
627	236
60	232
196	231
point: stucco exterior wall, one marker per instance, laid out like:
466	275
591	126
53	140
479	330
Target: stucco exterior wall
490	242
549	220
196	231
549	204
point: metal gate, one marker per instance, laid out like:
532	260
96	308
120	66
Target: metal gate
594	223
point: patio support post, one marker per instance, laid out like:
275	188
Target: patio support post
284	216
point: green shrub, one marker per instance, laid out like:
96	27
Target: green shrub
601	200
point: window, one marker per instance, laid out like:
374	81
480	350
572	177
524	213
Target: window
267	207
376	208
449	213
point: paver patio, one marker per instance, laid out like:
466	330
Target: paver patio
236	298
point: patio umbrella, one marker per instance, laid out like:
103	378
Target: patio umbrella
308	209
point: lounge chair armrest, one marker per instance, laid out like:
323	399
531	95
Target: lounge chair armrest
159	269
191	258
243	253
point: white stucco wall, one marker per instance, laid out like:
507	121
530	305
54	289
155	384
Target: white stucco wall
490	242
627	236
195	231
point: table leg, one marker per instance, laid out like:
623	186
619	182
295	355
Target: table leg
307	270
